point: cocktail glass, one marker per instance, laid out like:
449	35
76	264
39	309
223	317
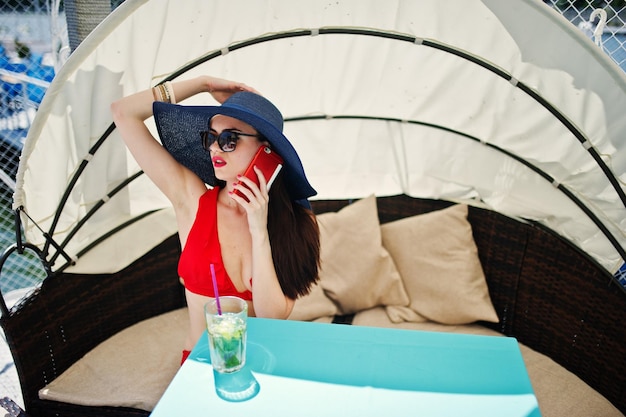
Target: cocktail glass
227	333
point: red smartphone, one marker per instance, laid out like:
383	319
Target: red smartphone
269	162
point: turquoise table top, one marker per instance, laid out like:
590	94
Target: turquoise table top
302	368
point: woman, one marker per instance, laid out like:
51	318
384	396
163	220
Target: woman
263	248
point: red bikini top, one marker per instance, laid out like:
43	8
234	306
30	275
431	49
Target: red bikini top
203	249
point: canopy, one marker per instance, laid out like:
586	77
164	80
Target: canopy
502	104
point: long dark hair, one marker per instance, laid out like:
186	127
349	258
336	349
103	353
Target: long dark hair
294	237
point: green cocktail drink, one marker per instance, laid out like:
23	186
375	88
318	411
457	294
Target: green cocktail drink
227	343
227	333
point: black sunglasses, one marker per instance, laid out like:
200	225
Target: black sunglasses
226	140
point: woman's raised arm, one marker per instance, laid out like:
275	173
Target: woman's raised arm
129	114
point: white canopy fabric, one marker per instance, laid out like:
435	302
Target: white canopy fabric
502	104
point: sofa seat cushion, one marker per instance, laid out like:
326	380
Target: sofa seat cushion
130	369
134	367
559	392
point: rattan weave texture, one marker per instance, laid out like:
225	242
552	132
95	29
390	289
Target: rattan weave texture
71	314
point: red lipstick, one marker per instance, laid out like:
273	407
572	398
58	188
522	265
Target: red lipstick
218	162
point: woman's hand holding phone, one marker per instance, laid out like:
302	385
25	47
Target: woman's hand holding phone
254	200
252	189
266	161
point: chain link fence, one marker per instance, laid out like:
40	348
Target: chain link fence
34	44
32	48
602	21
26	69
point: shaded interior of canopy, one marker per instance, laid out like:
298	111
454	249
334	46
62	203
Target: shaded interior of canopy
388	150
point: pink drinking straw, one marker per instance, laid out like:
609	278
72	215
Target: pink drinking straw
217	295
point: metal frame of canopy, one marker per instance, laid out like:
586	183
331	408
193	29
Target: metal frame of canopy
52	250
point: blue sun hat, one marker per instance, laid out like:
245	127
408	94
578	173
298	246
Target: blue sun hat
179	128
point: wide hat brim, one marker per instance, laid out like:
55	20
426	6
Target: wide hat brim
179	129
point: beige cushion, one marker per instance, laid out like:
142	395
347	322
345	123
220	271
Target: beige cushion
356	271
438	261
325	319
131	369
378	317
559	392
313	306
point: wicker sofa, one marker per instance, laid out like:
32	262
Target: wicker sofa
564	310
